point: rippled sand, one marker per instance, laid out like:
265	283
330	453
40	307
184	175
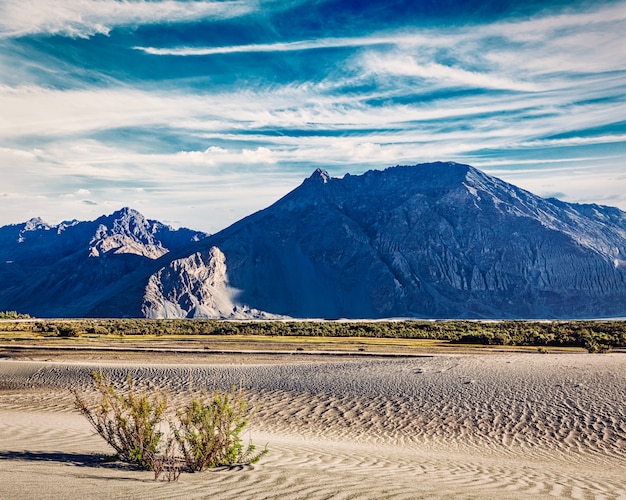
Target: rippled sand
445	426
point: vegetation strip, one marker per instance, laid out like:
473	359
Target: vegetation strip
211	351
595	336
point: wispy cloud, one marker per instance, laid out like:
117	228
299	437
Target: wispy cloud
574	141
85	18
224	122
295	46
587	41
403	65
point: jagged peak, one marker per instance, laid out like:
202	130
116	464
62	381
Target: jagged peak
36	223
126	213
320	175
441	173
129	220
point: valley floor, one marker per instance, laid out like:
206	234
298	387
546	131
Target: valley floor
505	425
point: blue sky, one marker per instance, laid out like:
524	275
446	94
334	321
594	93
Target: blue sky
198	113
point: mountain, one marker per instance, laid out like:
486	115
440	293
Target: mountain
62	270
439	240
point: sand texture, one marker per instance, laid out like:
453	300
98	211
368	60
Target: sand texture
443	426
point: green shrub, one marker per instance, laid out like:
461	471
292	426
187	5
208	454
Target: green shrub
578	333
595	347
207	431
13	315
128	421
67	331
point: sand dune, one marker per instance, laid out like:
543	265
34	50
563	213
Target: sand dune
453	426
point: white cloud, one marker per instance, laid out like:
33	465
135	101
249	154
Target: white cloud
258	155
547	27
215	155
573	141
553	75
45	112
574	180
34	110
85	18
403	65
314	44
11	154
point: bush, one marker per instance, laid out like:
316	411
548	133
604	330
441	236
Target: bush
128	422
593	346
67	331
207	431
13	315
204	433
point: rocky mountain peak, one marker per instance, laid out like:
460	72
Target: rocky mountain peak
319	176
127	231
36	223
128	220
33	225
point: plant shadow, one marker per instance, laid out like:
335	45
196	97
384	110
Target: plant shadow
77	459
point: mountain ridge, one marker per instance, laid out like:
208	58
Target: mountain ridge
466	215
438	240
53	270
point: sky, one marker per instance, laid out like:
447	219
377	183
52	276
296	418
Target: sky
198	113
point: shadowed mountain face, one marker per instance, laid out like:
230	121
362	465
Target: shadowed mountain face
439	240
63	270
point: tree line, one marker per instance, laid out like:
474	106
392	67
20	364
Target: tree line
593	335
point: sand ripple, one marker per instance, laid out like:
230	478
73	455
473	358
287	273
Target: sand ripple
512	426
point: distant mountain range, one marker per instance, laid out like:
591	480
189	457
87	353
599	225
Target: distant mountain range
438	240
67	269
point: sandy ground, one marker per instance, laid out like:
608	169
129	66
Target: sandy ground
443	426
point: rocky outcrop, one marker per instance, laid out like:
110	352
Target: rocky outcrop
194	287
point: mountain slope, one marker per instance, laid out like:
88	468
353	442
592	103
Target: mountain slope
439	240
61	270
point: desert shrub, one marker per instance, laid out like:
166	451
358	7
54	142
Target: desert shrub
204	433
67	331
484	338
96	330
13	315
128	421
593	346
208	431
